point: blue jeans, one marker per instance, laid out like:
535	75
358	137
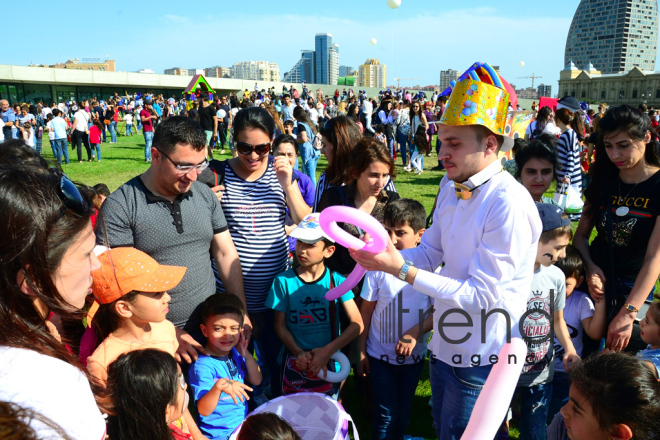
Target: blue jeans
129	129
148	137
97	148
560	386
403	150
534	405
105	131
113	131
393	392
454	393
309	156
269	346
60	150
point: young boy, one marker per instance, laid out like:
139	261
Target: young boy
302	314
393	359
544	314
581	317
216	378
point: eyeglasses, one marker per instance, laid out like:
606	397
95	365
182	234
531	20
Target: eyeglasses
70	195
185	169
245	148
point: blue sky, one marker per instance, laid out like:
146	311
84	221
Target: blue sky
417	40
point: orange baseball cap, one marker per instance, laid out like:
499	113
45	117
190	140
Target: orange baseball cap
126	269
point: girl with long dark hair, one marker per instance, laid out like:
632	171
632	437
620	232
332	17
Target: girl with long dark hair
623	204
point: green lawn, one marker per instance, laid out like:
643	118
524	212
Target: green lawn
125	159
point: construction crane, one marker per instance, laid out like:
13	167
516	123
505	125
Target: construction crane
398	80
533	78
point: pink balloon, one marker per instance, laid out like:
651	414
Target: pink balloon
494	399
346	214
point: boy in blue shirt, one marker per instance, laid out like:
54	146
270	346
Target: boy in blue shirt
218	380
302	314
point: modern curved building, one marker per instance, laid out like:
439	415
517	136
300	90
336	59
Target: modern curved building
613	35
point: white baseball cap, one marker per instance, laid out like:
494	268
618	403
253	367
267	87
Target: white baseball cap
309	230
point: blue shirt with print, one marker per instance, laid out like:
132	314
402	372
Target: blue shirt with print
228	415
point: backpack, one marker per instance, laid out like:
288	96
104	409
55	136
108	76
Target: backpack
535	132
375	119
316	143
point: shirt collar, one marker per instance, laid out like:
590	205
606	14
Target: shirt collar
484	175
152	198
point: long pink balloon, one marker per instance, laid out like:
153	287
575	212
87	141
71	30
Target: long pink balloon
494	399
379	239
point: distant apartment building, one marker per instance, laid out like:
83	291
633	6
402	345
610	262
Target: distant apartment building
97	64
303	69
217	72
149	71
447	76
372	74
256	71
176	71
544	90
527	93
346	71
193	72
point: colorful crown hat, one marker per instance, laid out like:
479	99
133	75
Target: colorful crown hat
479	98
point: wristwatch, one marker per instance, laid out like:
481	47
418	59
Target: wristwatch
404	270
629	307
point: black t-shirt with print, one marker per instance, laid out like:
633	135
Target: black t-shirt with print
630	233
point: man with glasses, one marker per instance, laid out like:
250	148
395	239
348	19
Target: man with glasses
177	220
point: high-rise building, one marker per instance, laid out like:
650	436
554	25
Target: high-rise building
613	35
176	71
447	76
84	64
345	71
372	74
326	65
217	72
303	69
544	90
256	71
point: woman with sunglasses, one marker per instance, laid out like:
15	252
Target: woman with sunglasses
256	190
46	259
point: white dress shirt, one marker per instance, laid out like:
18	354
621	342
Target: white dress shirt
488	245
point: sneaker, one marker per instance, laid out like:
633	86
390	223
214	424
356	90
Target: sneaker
222	151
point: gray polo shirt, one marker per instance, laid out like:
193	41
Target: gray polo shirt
177	234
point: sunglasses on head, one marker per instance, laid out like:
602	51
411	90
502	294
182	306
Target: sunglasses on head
245	148
70	195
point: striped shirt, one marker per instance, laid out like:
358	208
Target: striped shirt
255	213
568	153
323	184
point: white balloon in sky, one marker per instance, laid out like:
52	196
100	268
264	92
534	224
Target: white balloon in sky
374	41
393	3
522	64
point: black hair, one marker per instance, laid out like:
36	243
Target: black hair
518	144
255	118
17	152
572	264
621	389
288	122
56	112
204	96
102	189
543	117
543	147
142	384
16	423
106	320
404	211
221	304
179	130
267	426
285	139
635	124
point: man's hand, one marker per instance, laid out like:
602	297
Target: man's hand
188	347
363	367
234	389
389	261
219	191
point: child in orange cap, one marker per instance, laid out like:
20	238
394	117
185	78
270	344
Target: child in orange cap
131	288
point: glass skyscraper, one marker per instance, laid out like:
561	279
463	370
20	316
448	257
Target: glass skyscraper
613	35
326	69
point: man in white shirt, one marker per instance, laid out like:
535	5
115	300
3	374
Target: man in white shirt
485	230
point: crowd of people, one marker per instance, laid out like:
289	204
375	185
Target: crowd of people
196	290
